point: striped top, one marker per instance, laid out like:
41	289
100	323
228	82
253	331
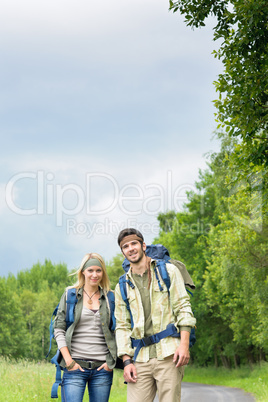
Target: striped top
88	340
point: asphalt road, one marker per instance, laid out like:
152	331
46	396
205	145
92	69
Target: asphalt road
192	392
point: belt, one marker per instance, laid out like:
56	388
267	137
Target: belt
89	364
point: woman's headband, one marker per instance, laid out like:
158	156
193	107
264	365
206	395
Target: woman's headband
93	262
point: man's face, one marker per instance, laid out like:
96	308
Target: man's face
133	251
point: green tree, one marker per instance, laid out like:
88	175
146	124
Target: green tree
55	276
185	234
242	28
115	270
38	322
29	302
222	238
14	340
236	280
167	220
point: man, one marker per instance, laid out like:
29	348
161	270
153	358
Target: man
159	366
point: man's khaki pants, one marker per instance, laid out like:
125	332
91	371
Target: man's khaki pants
156	375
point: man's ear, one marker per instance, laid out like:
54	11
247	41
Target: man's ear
144	246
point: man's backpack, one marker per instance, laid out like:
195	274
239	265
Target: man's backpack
71	300
159	253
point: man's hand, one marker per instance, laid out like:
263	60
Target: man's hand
182	354
130	373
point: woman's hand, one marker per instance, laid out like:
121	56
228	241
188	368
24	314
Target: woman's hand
105	367
76	367
69	360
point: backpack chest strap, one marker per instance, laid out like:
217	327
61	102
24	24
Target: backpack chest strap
170	330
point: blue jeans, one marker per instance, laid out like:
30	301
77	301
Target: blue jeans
74	384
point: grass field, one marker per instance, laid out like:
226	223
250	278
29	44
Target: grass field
26	381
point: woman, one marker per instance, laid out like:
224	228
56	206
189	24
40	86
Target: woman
88	346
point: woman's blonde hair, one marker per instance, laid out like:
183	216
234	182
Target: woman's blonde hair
105	281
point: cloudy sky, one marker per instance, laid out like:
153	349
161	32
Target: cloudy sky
105	116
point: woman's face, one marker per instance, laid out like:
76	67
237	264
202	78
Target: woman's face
93	275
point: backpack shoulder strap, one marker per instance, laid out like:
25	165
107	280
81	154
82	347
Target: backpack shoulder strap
162	269
71	300
161	265
51	328
123	281
110	296
55	360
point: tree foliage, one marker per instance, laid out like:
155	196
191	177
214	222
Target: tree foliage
54	276
222	238
28	301
115	270
187	241
242	28
14	339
